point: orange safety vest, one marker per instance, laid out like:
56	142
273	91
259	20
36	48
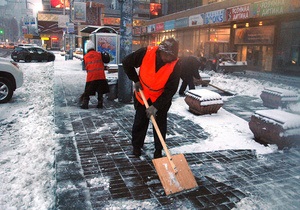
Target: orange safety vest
153	82
94	66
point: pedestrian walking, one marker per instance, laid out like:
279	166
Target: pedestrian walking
158	77
95	79
189	70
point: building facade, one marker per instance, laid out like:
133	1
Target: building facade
264	33
98	13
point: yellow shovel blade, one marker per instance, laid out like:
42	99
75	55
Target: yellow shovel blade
174	182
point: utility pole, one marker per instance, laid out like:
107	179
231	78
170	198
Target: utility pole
71	34
124	83
126	25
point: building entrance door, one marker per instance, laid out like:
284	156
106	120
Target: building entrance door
259	57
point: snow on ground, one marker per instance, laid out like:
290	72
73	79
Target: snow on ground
27	146
27	131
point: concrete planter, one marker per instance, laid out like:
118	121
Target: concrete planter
202	101
276	127
277	97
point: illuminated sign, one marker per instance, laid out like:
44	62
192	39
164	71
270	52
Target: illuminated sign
60	3
155	10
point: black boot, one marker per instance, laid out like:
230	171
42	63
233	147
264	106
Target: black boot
100	102
157	154
137	151
85	104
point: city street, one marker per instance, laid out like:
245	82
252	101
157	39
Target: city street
80	159
234	139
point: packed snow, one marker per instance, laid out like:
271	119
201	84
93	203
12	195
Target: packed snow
285	119
27	133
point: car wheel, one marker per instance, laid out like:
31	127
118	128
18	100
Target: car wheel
27	59
6	90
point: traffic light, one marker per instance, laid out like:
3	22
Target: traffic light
1	31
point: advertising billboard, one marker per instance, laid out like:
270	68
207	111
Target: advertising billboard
60	3
155	10
108	43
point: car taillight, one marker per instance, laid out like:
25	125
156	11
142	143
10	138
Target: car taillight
214	61
15	64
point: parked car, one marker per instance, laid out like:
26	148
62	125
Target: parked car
211	64
10	45
11	78
29	53
27	45
228	63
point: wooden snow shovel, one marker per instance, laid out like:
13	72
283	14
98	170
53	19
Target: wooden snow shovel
173	171
224	91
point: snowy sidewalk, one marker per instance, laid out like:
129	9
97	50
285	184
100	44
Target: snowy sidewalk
94	171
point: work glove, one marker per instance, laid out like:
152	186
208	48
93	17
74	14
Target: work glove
151	111
138	86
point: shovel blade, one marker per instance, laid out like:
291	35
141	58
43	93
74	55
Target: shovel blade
174	182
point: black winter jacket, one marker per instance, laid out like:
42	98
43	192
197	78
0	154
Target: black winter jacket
135	59
189	68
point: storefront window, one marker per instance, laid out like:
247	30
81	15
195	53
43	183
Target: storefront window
288	47
185	44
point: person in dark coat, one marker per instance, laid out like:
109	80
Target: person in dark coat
158	77
95	80
189	70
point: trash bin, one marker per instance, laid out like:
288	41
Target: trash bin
113	88
125	90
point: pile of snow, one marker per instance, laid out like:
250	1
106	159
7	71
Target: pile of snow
27	142
285	95
278	117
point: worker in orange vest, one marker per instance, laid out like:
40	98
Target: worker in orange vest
95	78
158	77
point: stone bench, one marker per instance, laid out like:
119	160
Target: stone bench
276	127
202	101
277	97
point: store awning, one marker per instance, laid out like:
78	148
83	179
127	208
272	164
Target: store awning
98	29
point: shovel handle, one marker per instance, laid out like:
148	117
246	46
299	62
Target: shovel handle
224	91
162	141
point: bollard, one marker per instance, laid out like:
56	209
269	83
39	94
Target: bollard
70	54
125	90
82	65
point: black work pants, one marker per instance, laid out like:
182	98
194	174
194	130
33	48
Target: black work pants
141	123
184	84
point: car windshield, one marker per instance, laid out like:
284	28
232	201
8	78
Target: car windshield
39	50
19	49
227	56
